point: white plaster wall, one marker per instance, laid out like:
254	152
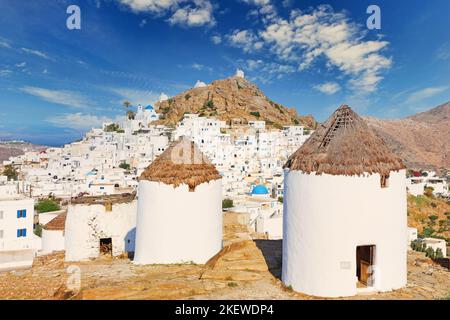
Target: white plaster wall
326	217
175	225
87	224
52	240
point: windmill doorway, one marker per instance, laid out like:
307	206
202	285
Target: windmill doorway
365	260
106	246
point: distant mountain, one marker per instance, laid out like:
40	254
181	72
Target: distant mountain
421	140
229	99
16	148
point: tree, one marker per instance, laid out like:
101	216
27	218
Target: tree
47	205
131	115
127	104
429	252
438	254
10	172
113	127
227	203
280	199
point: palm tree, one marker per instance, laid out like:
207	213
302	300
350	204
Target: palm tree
127	104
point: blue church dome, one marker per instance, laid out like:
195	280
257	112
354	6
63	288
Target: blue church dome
260	190
149	107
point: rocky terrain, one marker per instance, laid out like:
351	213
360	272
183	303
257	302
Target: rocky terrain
228	99
247	268
12	149
422	140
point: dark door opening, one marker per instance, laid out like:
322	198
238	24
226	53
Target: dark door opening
365	258
106	246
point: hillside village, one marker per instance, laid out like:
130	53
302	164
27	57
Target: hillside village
111	188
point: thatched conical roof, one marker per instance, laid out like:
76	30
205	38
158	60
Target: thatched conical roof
182	162
344	145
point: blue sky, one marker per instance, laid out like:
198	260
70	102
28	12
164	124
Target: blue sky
56	83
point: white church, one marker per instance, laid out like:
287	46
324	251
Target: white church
345	212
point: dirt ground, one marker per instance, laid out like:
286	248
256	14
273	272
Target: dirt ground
247	268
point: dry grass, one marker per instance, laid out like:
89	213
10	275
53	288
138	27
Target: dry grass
344	145
181	163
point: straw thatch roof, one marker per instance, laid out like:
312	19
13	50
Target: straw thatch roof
56	224
344	145
105	199
181	163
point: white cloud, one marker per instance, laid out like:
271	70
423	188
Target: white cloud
78	121
143	23
194	16
197	66
191	13
245	39
328	88
36	53
257	2
443	53
426	93
21	65
5	72
63	97
321	33
5	44
216	39
136	96
266	72
155	6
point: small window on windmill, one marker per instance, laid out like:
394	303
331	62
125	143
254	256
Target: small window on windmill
384	180
108	206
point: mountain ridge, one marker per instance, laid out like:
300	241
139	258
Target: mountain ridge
421	140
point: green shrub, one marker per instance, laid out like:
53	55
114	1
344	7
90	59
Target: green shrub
255	114
38	230
10	172
227	203
280	199
429	252
438	254
125	166
47	206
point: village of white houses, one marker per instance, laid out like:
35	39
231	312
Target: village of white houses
216	191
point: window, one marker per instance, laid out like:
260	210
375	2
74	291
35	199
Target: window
1	215
384	181
22	213
1	234
21	233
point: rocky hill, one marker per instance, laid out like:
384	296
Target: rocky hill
422	140
16	148
230	99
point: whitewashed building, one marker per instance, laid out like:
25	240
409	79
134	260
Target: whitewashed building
53	234
100	225
18	243
345	228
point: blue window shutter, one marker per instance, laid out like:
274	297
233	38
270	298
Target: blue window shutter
18	213
24	232
25	213
18	233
